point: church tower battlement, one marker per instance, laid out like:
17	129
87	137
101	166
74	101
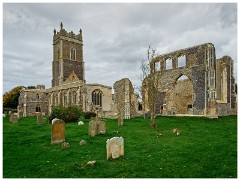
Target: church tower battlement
67	56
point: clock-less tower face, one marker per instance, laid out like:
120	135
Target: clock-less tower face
67	56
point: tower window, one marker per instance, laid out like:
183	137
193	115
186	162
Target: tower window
73	54
97	97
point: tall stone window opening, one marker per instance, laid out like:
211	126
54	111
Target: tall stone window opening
38	109
182	61
224	84
168	64
157	66
37	96
97	98
73	54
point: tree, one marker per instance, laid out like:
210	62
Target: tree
149	89
10	99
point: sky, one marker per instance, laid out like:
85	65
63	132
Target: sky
115	36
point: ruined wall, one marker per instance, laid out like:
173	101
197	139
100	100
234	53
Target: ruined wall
198	63
125	100
226	93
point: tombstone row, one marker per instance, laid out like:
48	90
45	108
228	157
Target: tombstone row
114	146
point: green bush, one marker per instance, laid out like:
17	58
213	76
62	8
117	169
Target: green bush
68	114
88	115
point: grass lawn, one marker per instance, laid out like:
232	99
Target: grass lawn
205	149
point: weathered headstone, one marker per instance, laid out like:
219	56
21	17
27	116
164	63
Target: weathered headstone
65	145
82	142
176	131
20	114
92	128
120	121
4	115
80	123
13	118
58	131
101	127
115	147
39	118
96	127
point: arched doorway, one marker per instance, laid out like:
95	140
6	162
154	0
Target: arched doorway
183	95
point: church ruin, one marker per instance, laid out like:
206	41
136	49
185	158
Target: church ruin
192	81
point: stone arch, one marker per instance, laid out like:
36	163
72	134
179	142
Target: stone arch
183	95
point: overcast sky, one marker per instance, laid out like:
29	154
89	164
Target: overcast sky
115	37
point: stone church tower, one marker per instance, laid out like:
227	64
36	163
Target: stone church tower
67	56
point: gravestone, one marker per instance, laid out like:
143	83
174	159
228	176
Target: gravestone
120	121
65	145
4	115
20	114
39	118
176	131
96	127
80	123
58	131
82	142
92	128
115	147
13	118
101	127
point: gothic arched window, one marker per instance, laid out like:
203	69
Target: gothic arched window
97	97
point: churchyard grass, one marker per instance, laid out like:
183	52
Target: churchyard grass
205	149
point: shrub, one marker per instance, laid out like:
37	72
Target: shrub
88	115
68	114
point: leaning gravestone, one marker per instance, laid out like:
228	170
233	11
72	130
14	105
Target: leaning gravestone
58	131
115	147
39	118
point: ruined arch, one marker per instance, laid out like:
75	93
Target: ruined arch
183	95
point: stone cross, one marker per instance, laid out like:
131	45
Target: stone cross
58	131
115	147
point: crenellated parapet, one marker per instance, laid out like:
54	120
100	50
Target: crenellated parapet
64	33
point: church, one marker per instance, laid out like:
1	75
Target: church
69	86
190	81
